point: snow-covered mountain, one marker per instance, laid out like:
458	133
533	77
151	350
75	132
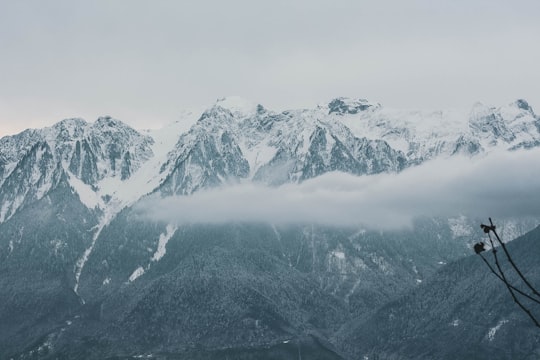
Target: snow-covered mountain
109	164
87	154
352	136
234	141
70	232
424	135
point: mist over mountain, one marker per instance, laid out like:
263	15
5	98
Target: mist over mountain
249	233
435	189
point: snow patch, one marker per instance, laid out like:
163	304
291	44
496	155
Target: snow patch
147	177
3	211
10	207
137	273
257	156
88	197
149	356
491	333
158	255
162	243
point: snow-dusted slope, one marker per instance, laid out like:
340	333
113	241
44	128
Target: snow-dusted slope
147	177
31	178
424	135
236	140
85	153
248	142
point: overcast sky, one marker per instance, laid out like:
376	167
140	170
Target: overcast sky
144	61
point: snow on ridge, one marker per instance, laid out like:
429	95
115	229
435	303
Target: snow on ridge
69	129
142	181
430	133
402	128
237	105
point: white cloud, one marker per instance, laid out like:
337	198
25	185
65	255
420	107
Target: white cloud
499	185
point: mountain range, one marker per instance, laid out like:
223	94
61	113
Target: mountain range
85	276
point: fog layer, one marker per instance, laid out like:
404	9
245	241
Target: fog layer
502	185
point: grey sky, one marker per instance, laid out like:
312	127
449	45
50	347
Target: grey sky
502	185
144	61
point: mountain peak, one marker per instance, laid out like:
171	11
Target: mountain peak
238	105
108	122
70	128
515	107
71	122
344	105
523	105
480	110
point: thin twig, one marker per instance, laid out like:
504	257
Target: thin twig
513	287
512	261
508	286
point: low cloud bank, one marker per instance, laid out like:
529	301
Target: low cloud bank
501	185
